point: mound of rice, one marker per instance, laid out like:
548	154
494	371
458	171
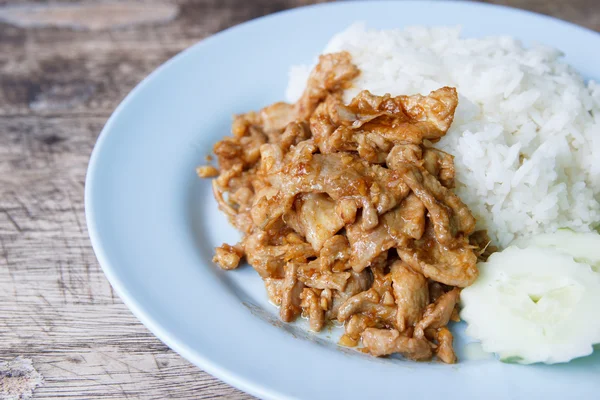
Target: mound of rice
525	131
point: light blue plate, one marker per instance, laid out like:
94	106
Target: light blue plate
154	224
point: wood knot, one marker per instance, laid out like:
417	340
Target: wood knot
18	379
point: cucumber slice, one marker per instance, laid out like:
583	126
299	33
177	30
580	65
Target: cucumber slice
534	305
584	247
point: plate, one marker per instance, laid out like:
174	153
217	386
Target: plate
153	224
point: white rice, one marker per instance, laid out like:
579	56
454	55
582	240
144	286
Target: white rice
525	131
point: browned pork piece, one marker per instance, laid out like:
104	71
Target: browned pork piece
371	125
411	294
381	342
332	74
348	213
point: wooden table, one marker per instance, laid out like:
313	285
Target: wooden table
63	69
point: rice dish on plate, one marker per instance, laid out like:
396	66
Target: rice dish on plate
387	193
525	131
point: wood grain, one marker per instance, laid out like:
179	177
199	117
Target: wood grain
61	75
88	16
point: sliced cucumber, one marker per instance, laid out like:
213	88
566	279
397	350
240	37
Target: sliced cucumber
534	305
584	247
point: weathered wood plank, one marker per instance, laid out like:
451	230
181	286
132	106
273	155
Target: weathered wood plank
72	70
74	81
87	16
56	307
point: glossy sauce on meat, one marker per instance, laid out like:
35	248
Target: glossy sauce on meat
348	212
